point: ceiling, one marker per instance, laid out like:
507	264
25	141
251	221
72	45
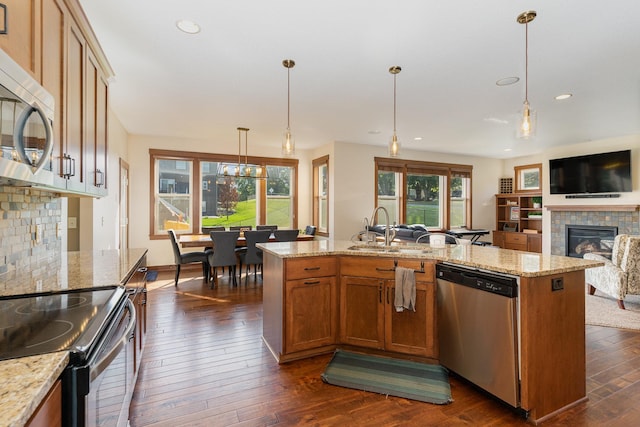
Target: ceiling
452	53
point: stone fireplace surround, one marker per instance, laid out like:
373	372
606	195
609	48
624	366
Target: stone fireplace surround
625	217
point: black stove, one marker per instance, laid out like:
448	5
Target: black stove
46	323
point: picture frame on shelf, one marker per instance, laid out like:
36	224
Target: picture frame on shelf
514	214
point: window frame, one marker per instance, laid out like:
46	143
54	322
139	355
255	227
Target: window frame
447	170
196	192
317	164
520	171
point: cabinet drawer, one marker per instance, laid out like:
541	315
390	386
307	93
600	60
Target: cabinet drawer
301	268
515	238
379	268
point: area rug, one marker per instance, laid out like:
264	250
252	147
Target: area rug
402	378
601	310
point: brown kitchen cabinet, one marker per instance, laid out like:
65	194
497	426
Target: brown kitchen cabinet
22	41
300	306
49	412
367	314
53	41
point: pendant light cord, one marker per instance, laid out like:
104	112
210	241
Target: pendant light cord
288	97
394	103
526	62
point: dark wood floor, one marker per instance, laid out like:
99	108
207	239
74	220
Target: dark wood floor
205	365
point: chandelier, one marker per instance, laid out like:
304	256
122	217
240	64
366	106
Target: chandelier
240	169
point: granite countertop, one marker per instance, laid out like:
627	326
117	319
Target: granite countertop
25	382
71	271
519	263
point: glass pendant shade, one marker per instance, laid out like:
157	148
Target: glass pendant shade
394	146
527	128
288	144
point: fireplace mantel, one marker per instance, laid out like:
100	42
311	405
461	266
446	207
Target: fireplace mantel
598	208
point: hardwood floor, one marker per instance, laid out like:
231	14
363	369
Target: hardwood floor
205	365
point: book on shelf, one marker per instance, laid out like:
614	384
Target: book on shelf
529	231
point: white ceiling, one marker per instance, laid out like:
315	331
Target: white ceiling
451	53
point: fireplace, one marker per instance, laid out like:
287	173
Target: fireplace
581	239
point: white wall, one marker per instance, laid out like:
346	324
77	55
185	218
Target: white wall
592	147
352	190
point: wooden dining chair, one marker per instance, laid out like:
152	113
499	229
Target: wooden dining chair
253	255
286	235
224	253
266	227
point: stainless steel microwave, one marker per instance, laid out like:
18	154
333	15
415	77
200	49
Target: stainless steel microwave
26	120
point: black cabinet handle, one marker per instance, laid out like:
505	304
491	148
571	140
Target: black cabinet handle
311	268
315	282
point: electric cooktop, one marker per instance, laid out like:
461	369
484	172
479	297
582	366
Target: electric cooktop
46	323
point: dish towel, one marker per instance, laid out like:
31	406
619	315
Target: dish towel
405	298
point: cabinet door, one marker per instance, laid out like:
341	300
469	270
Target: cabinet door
534	243
22	41
75	103
310	313
411	332
53	73
362	311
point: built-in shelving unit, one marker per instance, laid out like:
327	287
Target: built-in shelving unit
519	221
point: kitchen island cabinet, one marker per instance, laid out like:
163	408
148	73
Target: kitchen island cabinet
551	303
367	314
300	317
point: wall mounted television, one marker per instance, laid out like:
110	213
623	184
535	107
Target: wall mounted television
591	174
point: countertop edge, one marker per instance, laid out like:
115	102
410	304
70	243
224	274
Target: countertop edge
285	250
25	383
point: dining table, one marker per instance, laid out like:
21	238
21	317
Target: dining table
472	234
204	240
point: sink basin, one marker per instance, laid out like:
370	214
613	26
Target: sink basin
390	249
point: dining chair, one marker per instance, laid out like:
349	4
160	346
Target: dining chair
224	253
253	255
207	230
266	227
240	228
286	235
188	257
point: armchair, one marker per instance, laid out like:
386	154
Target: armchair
620	275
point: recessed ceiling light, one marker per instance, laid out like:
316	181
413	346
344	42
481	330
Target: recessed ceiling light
374	132
187	26
507	149
507	81
417	138
563	96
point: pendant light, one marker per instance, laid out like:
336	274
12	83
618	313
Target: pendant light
528	122
394	145
242	170
288	143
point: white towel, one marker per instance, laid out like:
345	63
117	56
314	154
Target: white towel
405	297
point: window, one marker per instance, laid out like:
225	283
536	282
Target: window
528	178
280	196
437	195
172	200
223	201
321	195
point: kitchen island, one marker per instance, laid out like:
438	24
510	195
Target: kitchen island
315	292
26	381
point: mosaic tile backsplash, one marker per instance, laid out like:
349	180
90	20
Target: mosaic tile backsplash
627	223
28	226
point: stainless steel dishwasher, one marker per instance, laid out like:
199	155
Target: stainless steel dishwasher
478	328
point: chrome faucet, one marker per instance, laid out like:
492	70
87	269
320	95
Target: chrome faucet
389	234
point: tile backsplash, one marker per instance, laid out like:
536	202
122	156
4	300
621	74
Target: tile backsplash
28	226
